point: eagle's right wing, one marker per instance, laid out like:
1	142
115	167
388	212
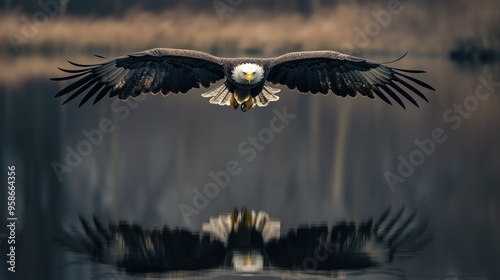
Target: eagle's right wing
155	70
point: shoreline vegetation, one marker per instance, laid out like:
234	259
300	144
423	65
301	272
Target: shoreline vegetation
28	40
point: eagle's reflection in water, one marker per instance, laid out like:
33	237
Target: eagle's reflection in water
245	242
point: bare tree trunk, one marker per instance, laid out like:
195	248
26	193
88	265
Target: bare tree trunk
315	6
8	5
117	7
309	7
63	7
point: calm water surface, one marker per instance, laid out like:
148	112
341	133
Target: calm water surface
329	162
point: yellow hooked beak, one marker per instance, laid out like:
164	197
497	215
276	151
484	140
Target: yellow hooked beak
249	77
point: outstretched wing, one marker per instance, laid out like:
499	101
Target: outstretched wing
347	245
154	70
130	248
344	75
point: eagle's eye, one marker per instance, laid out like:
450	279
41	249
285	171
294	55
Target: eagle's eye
244	73
253	72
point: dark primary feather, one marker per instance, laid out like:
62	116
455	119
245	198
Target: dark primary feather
344	75
155	70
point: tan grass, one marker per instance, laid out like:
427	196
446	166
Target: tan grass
243	32
267	31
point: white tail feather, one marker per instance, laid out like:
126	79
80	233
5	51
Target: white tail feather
220	227
219	95
267	95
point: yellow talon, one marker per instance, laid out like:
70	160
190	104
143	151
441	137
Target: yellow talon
247	105
234	103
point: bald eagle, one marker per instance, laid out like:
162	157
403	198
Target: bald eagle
246	242
175	70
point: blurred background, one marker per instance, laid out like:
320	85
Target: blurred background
330	162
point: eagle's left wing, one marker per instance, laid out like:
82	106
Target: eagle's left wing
344	75
130	248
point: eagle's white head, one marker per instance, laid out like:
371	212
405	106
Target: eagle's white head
248	74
